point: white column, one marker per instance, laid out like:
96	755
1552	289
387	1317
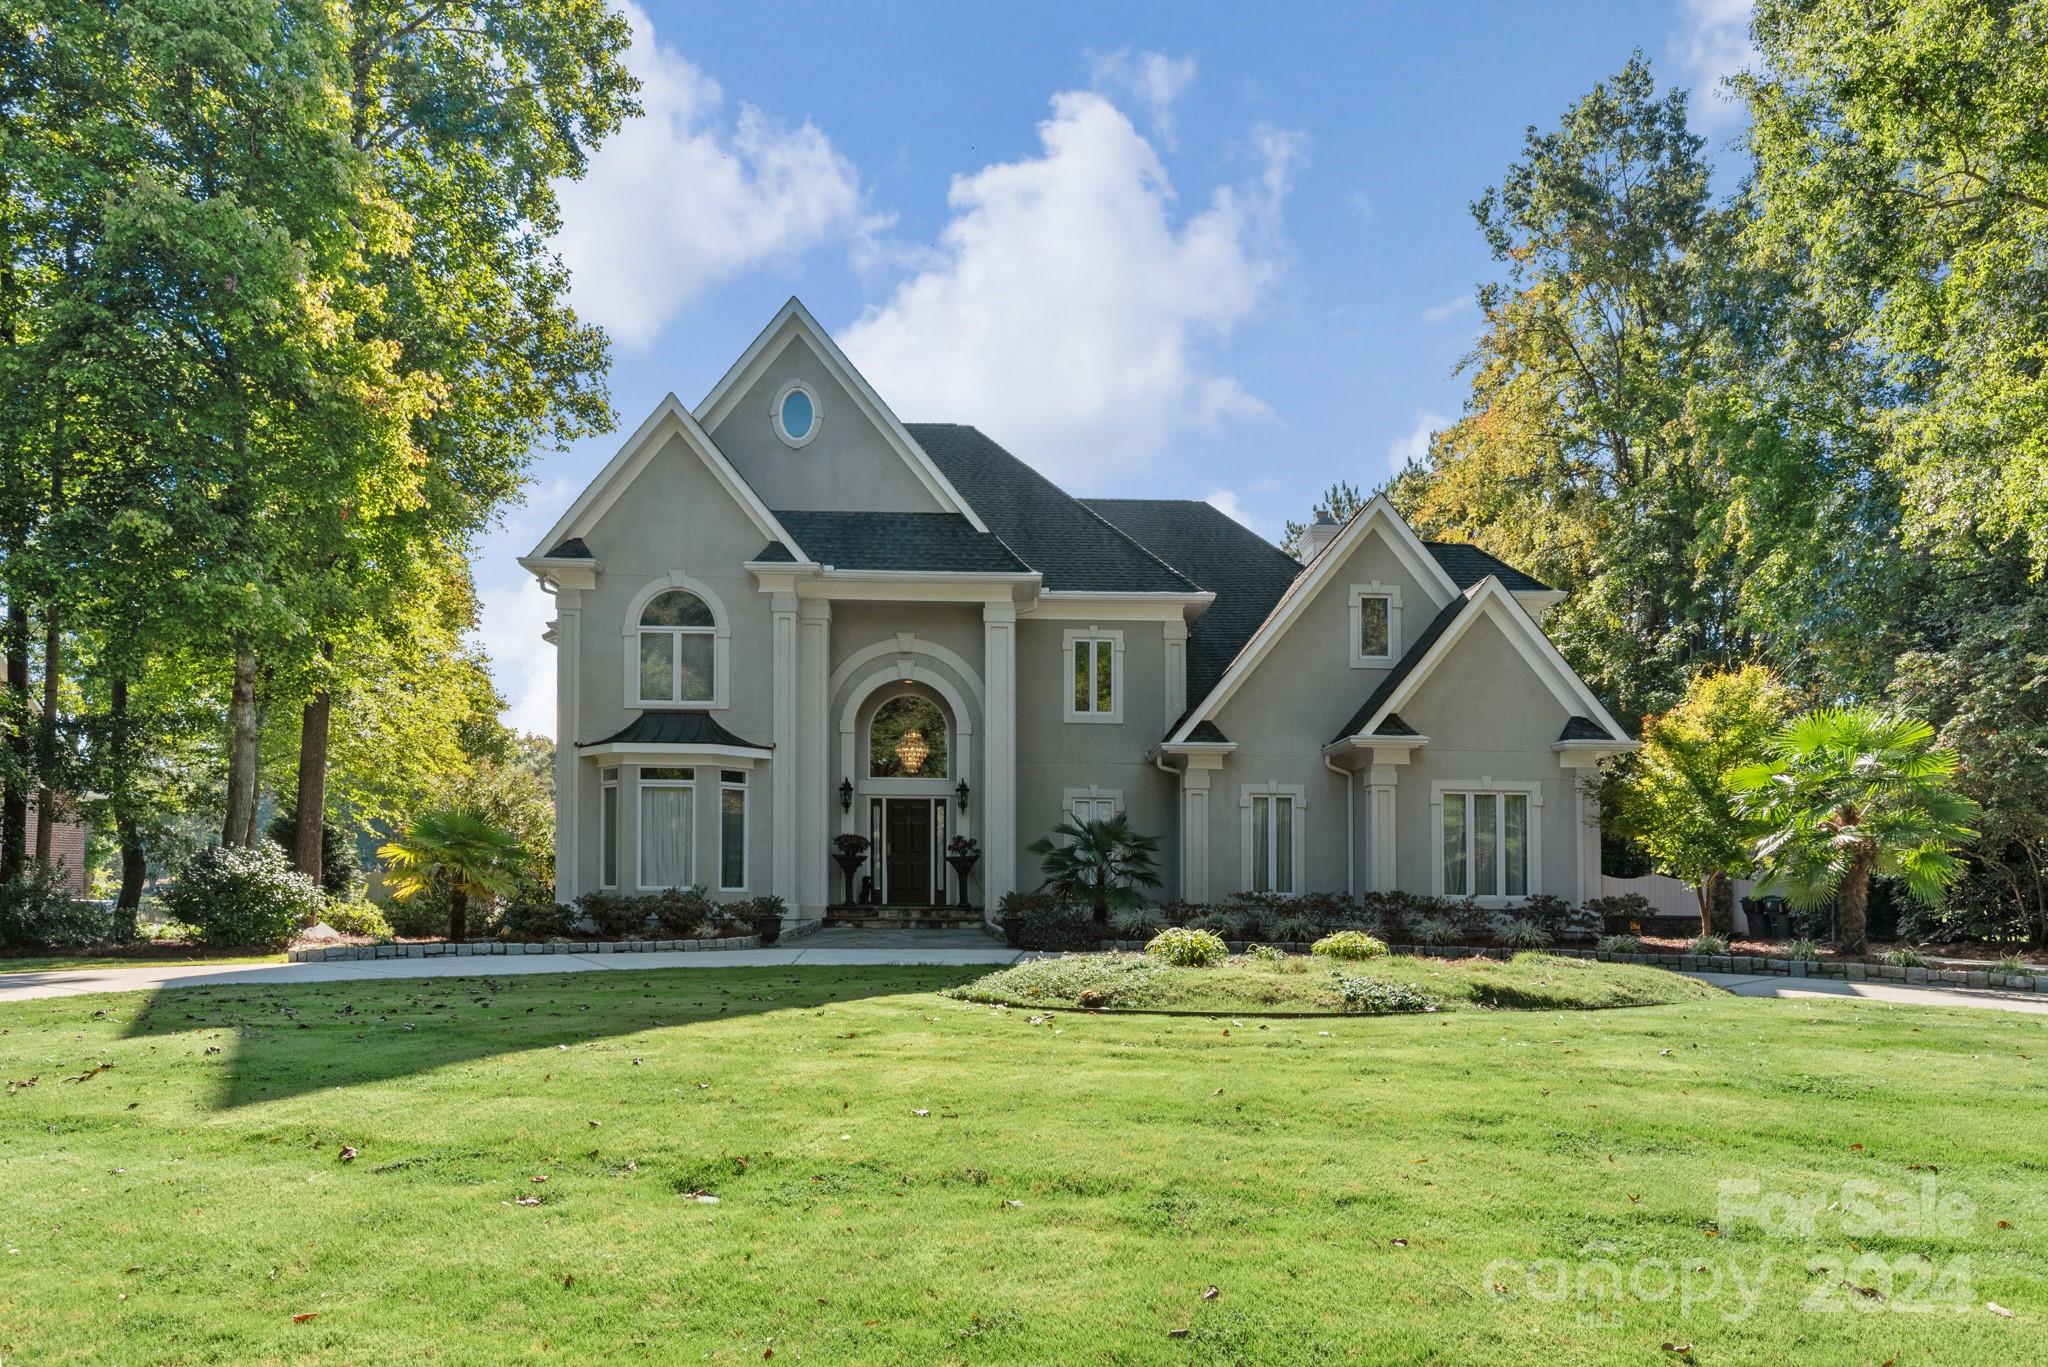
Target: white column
1580	770
568	660
816	787
782	880
1176	671
1194	796
1382	819
999	765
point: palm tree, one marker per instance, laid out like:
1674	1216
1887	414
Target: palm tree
1098	860
457	848
1849	792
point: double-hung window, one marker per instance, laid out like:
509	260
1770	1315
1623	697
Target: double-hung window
668	833
1273	838
1094	687
1485	842
732	830
677	649
608	832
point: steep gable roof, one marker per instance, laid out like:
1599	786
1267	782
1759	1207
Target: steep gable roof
939	543
1398	675
1467	565
794	325
1076	549
1247	573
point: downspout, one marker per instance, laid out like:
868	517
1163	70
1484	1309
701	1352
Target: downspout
1180	816
1350	829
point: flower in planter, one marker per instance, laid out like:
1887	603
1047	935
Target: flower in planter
851	845
963	847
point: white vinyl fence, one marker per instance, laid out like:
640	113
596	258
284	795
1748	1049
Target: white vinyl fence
1672	898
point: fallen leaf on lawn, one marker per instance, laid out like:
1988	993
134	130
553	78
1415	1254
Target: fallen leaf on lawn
1682	1349
1855	1146
1400	1243
1869	1293
2005	1224
348	1155
1711	1233
213	1048
595	1124
1014	1205
1217	1092
90	1073
703	1198
1995	1308
921	1112
308	1315
568	1279
527	1201
1663	1053
1176	1333
1633	1198
538	1177
1211	1293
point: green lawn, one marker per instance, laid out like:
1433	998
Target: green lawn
906	1177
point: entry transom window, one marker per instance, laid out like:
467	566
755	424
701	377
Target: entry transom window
678	644
796	414
1094	683
907	739
1485	843
668	832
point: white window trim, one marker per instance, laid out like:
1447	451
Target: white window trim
1115	636
640	785
1299	793
608	831
1359	593
1069	796
739	785
721	646
1532	790
817	414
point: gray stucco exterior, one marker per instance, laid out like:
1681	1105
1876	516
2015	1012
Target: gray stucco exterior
806	651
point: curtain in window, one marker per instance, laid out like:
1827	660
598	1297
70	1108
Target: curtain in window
1455	883
1283	844
666	849
1262	844
1486	844
1515	843
732	838
608	838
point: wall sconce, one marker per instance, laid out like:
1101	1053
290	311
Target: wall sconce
963	790
845	794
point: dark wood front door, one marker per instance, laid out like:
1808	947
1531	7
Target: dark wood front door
907	846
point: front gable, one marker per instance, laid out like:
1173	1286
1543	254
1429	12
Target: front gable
855	457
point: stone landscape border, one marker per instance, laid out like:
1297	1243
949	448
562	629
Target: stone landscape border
314	954
1759	965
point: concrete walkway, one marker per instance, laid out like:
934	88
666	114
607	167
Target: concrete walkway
826	947
838	947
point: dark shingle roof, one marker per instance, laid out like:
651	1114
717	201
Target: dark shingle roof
944	543
1467	565
1208	733
1438	625
1047	528
675	728
1394	726
571	549
1584	728
776	553
1245	572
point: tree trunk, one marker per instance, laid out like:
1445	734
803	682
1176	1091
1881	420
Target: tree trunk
242	735
46	736
134	863
1705	896
14	802
1855	905
310	811
458	914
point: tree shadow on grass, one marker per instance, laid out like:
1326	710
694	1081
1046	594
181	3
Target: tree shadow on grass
289	1039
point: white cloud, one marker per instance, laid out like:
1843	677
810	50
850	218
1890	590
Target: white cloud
1153	80
1415	444
1714	45
1068	314
1226	502
685	196
1448	309
510	620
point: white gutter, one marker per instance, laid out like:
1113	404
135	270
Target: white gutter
1350	829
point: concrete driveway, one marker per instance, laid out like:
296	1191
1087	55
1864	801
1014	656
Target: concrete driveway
1904	994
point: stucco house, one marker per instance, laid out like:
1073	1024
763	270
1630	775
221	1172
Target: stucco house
785	615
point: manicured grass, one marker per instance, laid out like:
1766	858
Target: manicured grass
905	1177
137	958
1297	983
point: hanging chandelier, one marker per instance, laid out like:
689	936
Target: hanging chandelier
912	751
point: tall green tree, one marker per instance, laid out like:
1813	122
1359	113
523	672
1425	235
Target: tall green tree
1848	794
1340	503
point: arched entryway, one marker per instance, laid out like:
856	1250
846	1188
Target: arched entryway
909	754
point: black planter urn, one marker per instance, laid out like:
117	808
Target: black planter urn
849	864
963	864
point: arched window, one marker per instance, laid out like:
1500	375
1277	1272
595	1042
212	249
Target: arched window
907	739
678	649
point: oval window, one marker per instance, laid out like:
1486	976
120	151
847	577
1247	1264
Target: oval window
797	415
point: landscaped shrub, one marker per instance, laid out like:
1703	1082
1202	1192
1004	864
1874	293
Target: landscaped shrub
1623	943
1228	925
1034	920
238	896
1520	934
2012	963
1294	930
616	915
38	912
1903	957
1623	913
761	916
682	913
1264	954
338	867
1188	947
1708	944
1376	997
1435	930
357	918
531	913
420	917
1349	944
1803	948
1136	923
1553	914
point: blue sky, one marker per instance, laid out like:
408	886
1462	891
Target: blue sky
1156	249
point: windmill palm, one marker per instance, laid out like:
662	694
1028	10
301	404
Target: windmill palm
1848	793
457	848
1102	861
